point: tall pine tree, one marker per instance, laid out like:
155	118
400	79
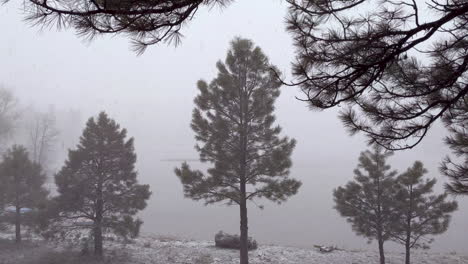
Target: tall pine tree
419	212
98	182
234	125
23	186
366	201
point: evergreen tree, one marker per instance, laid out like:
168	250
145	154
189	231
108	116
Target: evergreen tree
419	212
98	182
366	201
22	182
233	123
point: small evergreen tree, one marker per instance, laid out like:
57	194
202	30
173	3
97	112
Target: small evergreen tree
419	212
98	182
366	201
23	189
233	123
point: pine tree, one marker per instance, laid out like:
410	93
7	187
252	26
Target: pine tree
366	201
22	182
419	212
233	123
98	182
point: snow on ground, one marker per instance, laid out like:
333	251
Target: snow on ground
152	249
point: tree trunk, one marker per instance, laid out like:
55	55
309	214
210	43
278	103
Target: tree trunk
408	241
381	251
244	251
408	252
18	210
98	240
98	222
18	224
243	133
244	228
244	233
408	226
379	223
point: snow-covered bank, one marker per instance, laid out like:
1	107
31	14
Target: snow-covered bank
152	249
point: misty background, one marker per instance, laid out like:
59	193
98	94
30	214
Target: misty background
152	96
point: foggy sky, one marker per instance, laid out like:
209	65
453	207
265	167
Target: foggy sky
152	96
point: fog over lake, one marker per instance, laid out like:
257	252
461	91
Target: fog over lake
152	96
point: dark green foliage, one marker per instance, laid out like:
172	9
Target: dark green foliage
233	122
22	187
146	22
419	212
98	182
396	66
234	126
366	201
457	170
385	62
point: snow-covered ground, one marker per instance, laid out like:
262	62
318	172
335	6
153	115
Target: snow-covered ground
152	249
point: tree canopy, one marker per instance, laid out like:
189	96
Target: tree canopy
397	66
457	169
146	22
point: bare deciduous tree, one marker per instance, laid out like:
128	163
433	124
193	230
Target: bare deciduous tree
42	135
9	113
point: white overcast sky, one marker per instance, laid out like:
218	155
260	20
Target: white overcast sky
152	96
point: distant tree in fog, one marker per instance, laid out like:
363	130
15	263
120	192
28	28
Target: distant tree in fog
98	182
233	123
419	212
42	136
22	187
9	114
366	202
